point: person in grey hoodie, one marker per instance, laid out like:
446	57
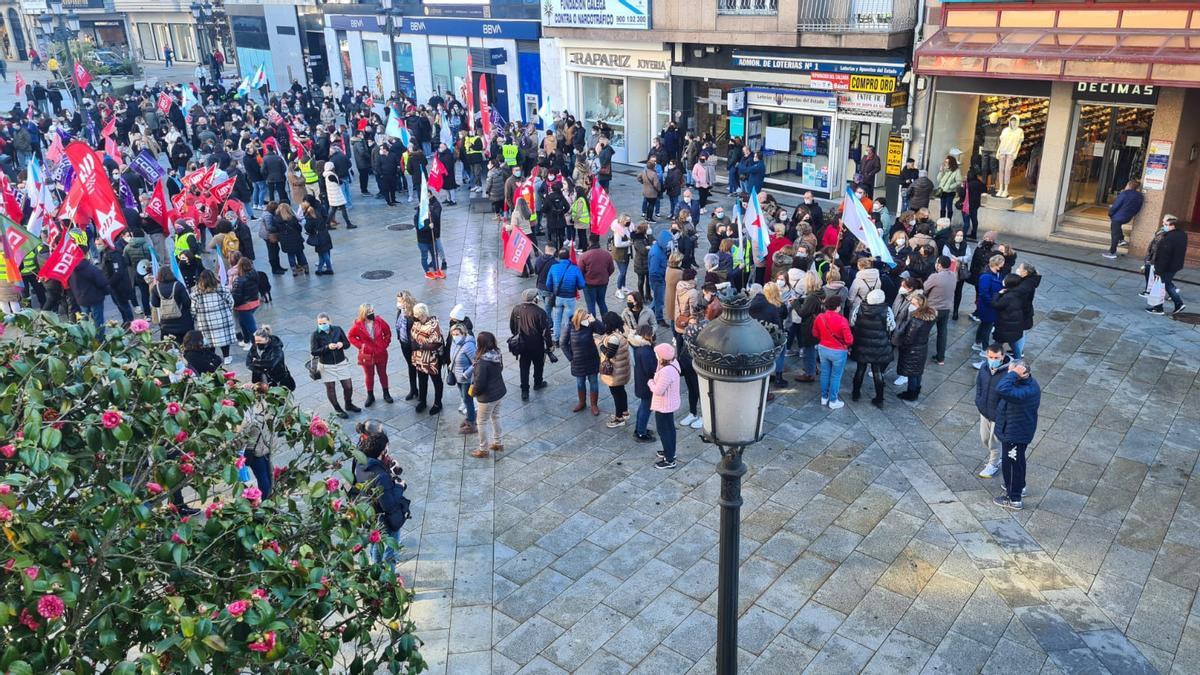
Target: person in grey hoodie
939	291
462	359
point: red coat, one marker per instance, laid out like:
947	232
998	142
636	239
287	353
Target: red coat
371	350
777	243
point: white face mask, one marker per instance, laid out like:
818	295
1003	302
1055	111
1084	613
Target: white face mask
781	283
899	242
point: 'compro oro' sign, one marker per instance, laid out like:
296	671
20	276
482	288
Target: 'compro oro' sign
624	14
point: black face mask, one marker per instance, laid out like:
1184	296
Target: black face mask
370	315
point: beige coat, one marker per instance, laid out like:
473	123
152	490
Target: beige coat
674	274
621	359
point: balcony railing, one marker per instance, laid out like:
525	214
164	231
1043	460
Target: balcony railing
747	7
857	16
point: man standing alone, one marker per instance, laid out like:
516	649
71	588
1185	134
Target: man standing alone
1016	423
1124	208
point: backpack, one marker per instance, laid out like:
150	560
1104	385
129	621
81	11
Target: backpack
168	306
395	508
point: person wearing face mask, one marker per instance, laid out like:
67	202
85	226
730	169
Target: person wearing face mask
912	342
815	211
620	245
1016	424
328	343
768	308
672	185
579	346
1168	261
371	336
986	400
702	179
689	207
959	252
266	362
459	372
716	229
636	314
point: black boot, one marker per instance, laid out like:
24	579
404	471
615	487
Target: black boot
855	394
350	407
337	410
412	396
387	396
909	394
524	393
370	400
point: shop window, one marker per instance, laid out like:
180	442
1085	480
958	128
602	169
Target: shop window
1110	150
185	48
406	81
162	33
344	51
150	50
795	146
448	67
976	144
604	101
662	106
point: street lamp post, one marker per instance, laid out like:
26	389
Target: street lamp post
734	357
62	27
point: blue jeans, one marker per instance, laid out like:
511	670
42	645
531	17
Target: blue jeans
658	288
674	199
261	468
665	424
297	259
323	262
643	416
346	193
833	361
96	313
1018	348
947	210
245	319
258	193
388	545
427	262
562	306
914	383
594	295
649	206
779	361
582	382
467	400
808	357
622	271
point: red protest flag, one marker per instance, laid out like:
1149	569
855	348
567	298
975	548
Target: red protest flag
110	127
82	76
517	248
485	115
75	208
164	103
62	261
20	85
437	175
470	95
110	149
157	208
223	189
294	141
12	207
97	191
198	178
54	153
603	213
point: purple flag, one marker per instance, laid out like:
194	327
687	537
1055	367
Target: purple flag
127	199
68	177
147	166
65	136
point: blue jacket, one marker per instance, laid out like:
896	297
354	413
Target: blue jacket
986	396
657	265
644	365
1017	410
753	172
1125	206
572	279
691	208
986	291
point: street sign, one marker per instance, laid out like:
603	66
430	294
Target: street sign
895	154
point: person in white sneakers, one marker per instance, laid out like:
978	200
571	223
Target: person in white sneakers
986	399
621	252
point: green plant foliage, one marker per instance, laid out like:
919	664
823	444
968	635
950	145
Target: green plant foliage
101	573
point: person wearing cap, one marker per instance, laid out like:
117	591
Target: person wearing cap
531	338
664	389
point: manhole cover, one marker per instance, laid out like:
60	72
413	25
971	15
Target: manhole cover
400	227
375	275
1191	319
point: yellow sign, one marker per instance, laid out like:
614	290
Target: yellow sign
874	84
895	154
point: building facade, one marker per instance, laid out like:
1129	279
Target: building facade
1102	93
286	38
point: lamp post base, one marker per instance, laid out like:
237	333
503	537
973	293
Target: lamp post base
731	469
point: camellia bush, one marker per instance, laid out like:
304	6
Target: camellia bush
101	572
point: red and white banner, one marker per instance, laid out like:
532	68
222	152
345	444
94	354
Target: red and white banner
75	208
20	85
470	95
97	191
82	76
485	115
110	149
199	178
437	175
604	214
516	250
62	261
157	208
110	127
54	153
223	189
164	103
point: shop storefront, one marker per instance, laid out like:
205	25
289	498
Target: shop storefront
811	118
270	36
1085	110
361	54
629	90
155	31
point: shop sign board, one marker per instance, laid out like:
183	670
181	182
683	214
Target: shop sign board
1116	92
792	98
830	81
477	28
898	98
622	14
874	84
895	155
783	62
736	101
861	101
359	22
1158	156
619	60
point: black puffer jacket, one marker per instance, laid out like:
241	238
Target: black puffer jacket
913	342
1026	290
579	346
1010	316
489	377
266	364
808	310
872	339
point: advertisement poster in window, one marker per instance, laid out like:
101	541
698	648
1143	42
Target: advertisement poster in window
1157	159
808	143
622	14
895	154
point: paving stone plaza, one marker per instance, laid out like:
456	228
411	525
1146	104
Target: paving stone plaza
868	544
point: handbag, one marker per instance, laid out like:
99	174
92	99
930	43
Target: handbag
514	344
314	367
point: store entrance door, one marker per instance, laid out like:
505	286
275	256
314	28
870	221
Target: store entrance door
1110	150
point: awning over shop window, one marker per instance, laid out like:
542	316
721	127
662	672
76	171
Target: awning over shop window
1109	45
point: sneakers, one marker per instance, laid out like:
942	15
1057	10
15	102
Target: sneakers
687	420
614	422
698	423
664	463
645	438
901	381
1122	243
1004	502
1110	256
1155	310
989	470
462	408
430	275
1178	309
974	318
824	401
1144	294
836	404
228	360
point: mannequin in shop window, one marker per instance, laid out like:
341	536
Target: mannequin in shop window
988	165
1010	144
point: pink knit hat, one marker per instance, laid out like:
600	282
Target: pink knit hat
665	351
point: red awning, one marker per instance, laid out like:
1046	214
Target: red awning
1167	57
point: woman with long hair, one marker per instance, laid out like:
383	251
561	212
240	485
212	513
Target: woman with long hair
579	346
291	238
245	300
912	341
371	336
213	308
487	389
616	366
317	229
403	325
427	344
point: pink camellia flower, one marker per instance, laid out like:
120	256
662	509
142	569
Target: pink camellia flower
111	419
253	495
5	489
157	382
51	607
139	326
356	548
181	437
27	620
187	469
9	564
32	572
8	450
374	537
188	372
176	539
212	508
274	546
173	408
400	581
5	514
266	644
228	403
229	375
237	607
154	488
259	593
240	462
332	484
318	427
295	564
337	505
277	472
185	519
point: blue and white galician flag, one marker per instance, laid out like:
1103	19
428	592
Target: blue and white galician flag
756	227
396	128
189	99
259	79
423	212
243	89
546	113
856	220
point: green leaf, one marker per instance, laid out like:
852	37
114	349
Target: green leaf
215	643
58	370
51	438
179	553
107	637
121	488
150	391
125	668
123	433
20	668
93	435
187	624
